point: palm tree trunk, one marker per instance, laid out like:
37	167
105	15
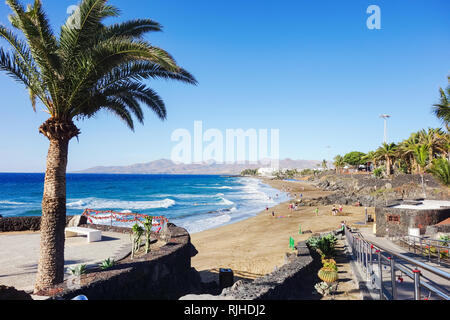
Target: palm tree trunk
413	165
388	166
51	261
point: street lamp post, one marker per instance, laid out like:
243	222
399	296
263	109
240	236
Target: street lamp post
385	117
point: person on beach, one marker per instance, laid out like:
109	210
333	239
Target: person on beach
342	230
334	211
273	213
317	212
340	208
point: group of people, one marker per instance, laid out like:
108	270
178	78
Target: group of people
293	207
335	211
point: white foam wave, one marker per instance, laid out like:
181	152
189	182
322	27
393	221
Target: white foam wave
12	203
184	196
212	187
204	224
226	202
96	203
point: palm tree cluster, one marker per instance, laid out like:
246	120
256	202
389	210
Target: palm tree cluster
414	155
424	151
86	68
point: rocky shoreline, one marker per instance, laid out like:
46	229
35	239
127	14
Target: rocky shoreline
371	192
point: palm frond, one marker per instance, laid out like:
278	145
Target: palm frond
83	26
132	29
91	66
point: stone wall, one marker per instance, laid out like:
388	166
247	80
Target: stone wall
293	281
165	273
10	293
402	219
11	224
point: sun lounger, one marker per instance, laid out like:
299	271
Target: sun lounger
92	235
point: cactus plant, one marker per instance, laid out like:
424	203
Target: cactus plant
328	275
148	223
136	235
329	263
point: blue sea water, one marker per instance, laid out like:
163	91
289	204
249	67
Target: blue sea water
195	202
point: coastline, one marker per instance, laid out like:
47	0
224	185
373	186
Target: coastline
256	246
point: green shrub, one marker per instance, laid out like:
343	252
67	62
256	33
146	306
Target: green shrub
249	172
78	270
313	241
107	264
325	245
378	172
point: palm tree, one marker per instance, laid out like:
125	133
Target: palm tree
88	68
339	163
442	109
436	142
406	151
324	164
421	155
441	170
387	152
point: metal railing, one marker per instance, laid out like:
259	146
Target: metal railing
373	259
433	249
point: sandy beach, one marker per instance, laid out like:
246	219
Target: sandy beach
256	246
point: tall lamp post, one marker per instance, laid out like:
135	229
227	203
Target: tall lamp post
385	117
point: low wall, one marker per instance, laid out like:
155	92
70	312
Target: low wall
402	219
293	281
165	273
14	224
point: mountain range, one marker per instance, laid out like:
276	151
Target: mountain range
165	166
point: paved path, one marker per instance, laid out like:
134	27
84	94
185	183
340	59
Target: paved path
19	254
405	290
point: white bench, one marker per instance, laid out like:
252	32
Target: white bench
92	235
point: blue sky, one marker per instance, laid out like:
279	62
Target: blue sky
309	68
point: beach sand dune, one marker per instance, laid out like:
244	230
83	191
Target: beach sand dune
256	246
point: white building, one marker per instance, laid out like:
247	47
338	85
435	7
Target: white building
267	172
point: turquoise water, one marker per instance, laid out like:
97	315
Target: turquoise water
194	202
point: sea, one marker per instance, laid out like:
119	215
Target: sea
194	202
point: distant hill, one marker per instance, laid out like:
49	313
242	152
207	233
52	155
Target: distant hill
165	166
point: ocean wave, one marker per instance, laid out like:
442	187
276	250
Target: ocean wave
183	196
212	187
204	224
11	203
96	203
226	202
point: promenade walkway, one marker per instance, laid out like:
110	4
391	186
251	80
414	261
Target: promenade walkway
19	255
405	289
